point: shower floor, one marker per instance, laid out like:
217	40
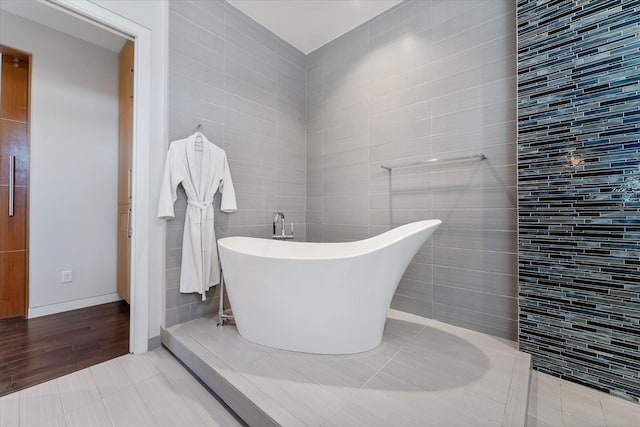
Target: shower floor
424	373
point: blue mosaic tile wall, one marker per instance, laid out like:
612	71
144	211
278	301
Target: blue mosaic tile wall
579	190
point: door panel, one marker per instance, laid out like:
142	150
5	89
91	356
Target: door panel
125	171
13	230
125	145
12	277
15	89
124	252
14	116
124	159
14	142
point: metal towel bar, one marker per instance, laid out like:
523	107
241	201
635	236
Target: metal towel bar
480	156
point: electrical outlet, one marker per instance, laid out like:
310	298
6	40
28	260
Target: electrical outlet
67	276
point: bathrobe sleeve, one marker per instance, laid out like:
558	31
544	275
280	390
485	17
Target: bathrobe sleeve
168	191
228	202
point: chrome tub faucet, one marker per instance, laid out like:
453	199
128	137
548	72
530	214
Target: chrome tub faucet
279	217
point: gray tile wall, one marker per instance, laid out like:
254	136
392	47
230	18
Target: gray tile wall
426	79
246	87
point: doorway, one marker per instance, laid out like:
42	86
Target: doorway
73	320
130	23
90	13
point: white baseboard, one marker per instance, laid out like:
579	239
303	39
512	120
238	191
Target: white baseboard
71	305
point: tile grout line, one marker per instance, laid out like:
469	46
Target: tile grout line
350	399
391	358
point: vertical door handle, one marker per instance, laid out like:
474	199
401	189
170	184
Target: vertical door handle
130	82
129	173
12	184
129	230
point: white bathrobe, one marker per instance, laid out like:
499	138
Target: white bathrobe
201	174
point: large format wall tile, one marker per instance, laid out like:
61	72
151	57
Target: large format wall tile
247	88
429	78
307	135
579	190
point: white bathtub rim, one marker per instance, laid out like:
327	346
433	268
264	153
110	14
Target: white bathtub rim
310	251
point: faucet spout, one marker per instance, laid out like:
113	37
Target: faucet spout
278	217
282	224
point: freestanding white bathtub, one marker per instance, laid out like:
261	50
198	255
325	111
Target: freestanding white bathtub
328	298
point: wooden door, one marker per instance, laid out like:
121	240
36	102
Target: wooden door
14	177
125	169
124	252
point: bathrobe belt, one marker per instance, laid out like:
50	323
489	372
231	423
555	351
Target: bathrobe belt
202	206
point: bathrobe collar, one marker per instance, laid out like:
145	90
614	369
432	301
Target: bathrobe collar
203	170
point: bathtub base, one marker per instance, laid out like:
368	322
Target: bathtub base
267	386
308	344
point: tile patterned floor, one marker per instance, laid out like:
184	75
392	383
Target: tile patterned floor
559	403
425	372
151	389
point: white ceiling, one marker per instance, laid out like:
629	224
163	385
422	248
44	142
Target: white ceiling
51	17
309	24
306	24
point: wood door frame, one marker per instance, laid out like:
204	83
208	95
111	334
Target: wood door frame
141	202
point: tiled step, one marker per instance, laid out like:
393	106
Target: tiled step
420	373
515	411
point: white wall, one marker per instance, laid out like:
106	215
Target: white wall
73	166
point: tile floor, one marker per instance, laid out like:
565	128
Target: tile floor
151	389
559	403
419	375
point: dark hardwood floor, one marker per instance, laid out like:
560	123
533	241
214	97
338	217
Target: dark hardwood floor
36	350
